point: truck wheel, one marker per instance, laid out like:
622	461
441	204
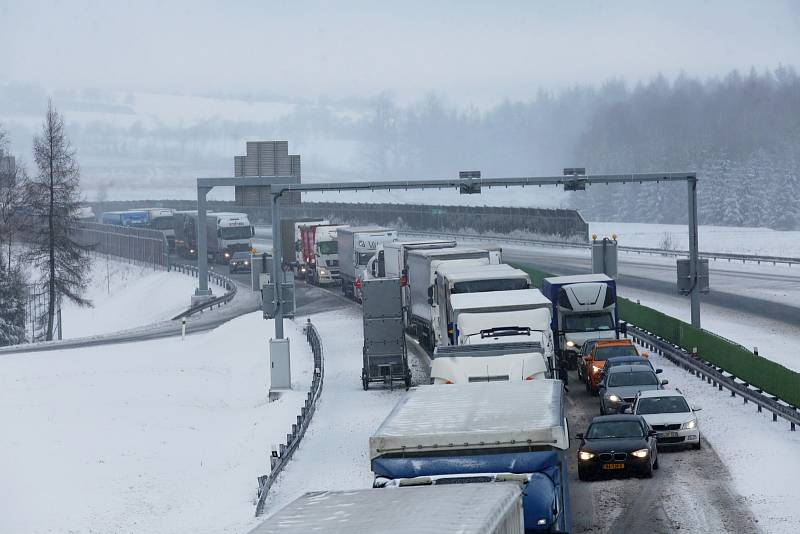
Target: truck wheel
583	475
408	380
364	380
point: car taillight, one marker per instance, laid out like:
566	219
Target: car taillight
530	377
449	382
358	283
403	281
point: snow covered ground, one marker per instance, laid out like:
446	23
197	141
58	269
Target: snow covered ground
163	436
126	295
733	239
334	453
761	456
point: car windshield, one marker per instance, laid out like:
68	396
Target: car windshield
588	322
604	353
615	429
163	223
625	360
633	378
671	404
328	247
241	256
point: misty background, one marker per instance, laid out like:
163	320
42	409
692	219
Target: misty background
157	95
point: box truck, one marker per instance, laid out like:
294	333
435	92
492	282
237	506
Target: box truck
357	245
481	433
584	307
421	310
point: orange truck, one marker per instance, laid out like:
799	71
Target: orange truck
594	362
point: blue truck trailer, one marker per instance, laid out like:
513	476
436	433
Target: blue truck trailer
584	307
482	433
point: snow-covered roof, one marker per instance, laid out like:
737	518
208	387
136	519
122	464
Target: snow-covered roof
475	416
436	252
463	508
461	273
365	229
578	279
520	299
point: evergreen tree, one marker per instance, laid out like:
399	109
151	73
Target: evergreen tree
12	311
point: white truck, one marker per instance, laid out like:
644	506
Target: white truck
226	233
319	246
422	312
481	434
501	335
357	245
456	279
426	509
390	260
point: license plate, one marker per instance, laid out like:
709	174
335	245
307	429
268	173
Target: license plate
613	466
667	434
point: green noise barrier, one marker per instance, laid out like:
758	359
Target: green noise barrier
735	359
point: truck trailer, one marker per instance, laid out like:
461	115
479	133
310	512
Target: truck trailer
481	433
291	250
320	252
422	314
357	245
584	307
427	509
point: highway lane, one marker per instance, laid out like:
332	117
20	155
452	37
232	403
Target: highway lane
648	277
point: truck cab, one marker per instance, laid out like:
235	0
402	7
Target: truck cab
584	308
320	252
233	233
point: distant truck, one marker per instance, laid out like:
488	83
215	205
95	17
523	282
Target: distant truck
132	218
584	307
481	433
291	250
467	509
319	246
422	311
226	234
356	246
163	220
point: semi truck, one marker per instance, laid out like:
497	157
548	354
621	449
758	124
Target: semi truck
390	260
291	250
476	433
455	279
357	245
163	220
422	314
133	218
320	252
425	509
500	335
584	307
226	233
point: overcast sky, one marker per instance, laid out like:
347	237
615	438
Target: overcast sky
468	52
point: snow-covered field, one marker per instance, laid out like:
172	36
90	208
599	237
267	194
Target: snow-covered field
126	295
732	239
761	456
163	436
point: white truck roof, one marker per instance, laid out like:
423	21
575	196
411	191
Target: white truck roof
579	279
520	299
494	508
365	229
432	242
436	252
474	416
464	273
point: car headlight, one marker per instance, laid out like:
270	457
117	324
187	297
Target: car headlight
247	263
323	271
570	344
227	255
641	453
613	398
585	455
595	369
689	425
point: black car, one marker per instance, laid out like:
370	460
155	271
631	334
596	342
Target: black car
239	263
625	360
623	444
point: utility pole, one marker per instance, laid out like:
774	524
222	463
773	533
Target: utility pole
694	293
277	267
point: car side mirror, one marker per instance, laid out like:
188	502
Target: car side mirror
664	382
659	371
624	408
652	433
579	436
696	408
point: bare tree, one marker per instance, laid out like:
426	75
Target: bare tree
53	199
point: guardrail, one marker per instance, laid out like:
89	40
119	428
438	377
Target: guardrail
744	258
280	457
222	281
717	377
